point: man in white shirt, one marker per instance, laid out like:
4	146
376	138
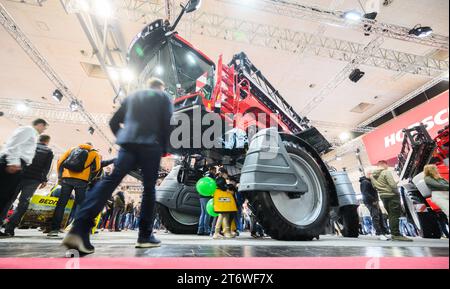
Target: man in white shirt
17	153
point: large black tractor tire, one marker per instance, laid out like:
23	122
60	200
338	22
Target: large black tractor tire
173	225
274	219
350	219
426	222
429	225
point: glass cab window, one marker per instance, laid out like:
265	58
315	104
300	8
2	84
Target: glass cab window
180	67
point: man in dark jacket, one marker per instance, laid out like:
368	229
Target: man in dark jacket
33	176
142	128
17	153
371	201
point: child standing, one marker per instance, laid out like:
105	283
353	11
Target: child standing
225	205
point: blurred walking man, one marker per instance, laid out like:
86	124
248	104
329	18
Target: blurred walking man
17	153
142	128
33	177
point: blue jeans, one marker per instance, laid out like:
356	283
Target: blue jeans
136	223
130	157
238	216
27	187
205	218
67	186
128	221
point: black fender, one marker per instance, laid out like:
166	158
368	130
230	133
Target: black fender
177	196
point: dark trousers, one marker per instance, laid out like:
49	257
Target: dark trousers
107	216
393	207
238	215
8	187
130	156
114	223
256	228
27	187
377	218
205	218
67	186
4	213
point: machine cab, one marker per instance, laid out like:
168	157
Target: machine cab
159	52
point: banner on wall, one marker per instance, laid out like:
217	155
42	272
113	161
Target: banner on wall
40	212
385	142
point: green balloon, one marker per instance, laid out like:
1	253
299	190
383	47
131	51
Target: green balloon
206	186
210	208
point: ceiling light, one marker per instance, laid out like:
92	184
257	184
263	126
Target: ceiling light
113	73
345	136
356	75
371	16
159	70
127	75
353	15
338	159
57	95
103	8
22	107
74	106
420	31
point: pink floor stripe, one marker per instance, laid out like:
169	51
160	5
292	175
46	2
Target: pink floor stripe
229	263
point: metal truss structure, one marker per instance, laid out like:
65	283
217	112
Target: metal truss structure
405	99
16	33
108	46
105	39
333	125
52	113
293	41
30	2
343	74
342	149
299	11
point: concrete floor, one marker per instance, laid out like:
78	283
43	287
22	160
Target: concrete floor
34	244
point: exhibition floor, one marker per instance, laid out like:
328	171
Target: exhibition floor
31	249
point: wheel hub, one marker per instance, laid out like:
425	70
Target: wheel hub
182	218
301	208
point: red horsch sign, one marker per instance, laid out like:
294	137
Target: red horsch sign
385	142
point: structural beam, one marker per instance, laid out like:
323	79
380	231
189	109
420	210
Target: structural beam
28	47
299	11
405	99
296	42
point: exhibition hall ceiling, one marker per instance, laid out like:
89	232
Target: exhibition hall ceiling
299	77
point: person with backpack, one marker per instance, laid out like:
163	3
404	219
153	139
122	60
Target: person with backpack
142	127
75	168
